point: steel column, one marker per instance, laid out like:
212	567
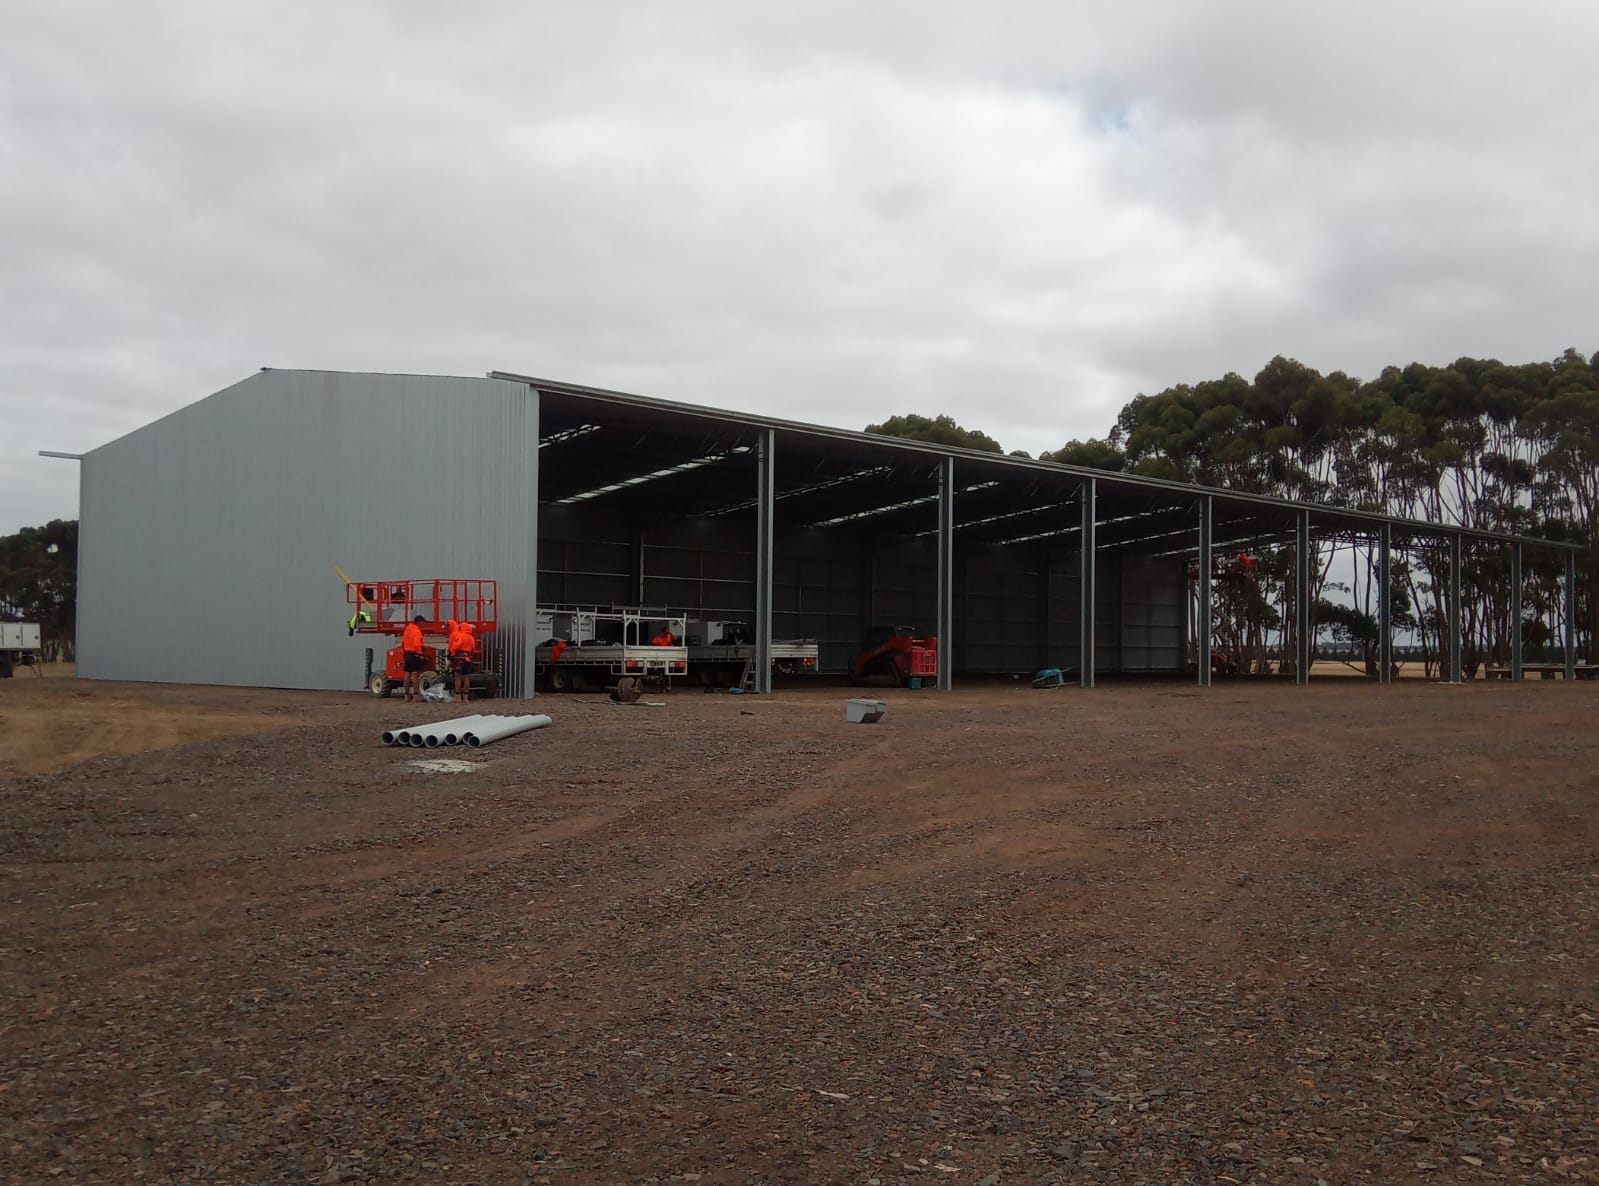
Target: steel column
1302	634
1515	611
1206	620
1385	601
1456	642
946	574
765	502
1569	651
1085	643
521	682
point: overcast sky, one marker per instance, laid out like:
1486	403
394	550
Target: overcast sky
1019	214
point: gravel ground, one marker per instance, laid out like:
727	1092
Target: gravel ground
1146	934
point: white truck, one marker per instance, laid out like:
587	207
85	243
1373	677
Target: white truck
719	653
19	647
583	649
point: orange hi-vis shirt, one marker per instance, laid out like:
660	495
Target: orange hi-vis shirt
460	642
411	640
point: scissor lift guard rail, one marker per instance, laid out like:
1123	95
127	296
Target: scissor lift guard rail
387	607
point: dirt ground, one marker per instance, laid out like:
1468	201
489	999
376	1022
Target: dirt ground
1144	934
44	729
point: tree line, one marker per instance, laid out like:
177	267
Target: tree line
1478	443
39	582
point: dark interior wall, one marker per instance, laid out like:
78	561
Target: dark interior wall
1003	608
1017	610
904	584
1062	639
703	566
1016	606
1153	630
589	557
585	558
819	591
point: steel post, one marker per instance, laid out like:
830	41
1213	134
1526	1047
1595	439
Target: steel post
1302	632
765	503
1085	642
946	574
520	679
1569	650
1385	601
1515	610
1456	641
1205	624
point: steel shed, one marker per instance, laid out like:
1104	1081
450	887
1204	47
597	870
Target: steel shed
208	537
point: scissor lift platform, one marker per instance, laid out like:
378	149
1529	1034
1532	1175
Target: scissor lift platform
387	607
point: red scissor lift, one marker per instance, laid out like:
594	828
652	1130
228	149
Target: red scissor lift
387	607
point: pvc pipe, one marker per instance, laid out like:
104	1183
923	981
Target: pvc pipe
455	731
440	734
416	741
403	736
509	727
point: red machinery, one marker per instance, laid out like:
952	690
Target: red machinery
1225	567
387	607
896	653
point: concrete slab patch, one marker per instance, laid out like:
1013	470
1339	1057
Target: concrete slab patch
444	766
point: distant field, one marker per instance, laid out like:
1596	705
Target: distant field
1416	670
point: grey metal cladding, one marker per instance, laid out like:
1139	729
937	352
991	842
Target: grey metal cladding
209	537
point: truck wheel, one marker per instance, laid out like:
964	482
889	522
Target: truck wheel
560	680
379	684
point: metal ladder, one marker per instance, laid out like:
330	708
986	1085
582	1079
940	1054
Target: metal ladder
746	681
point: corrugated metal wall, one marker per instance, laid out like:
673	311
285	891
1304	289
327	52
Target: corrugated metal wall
1001	609
705	567
209	537
819	591
1154	616
1017	610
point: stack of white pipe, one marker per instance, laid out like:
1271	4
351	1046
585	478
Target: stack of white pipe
473	731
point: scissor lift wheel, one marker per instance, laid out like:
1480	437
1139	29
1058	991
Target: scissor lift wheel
379	684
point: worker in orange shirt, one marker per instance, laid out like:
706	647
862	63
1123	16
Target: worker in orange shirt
463	647
414	657
664	638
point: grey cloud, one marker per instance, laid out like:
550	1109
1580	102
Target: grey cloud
1021	215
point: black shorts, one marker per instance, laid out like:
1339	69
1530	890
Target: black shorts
415	662
461	665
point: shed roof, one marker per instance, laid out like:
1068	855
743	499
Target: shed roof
823	473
